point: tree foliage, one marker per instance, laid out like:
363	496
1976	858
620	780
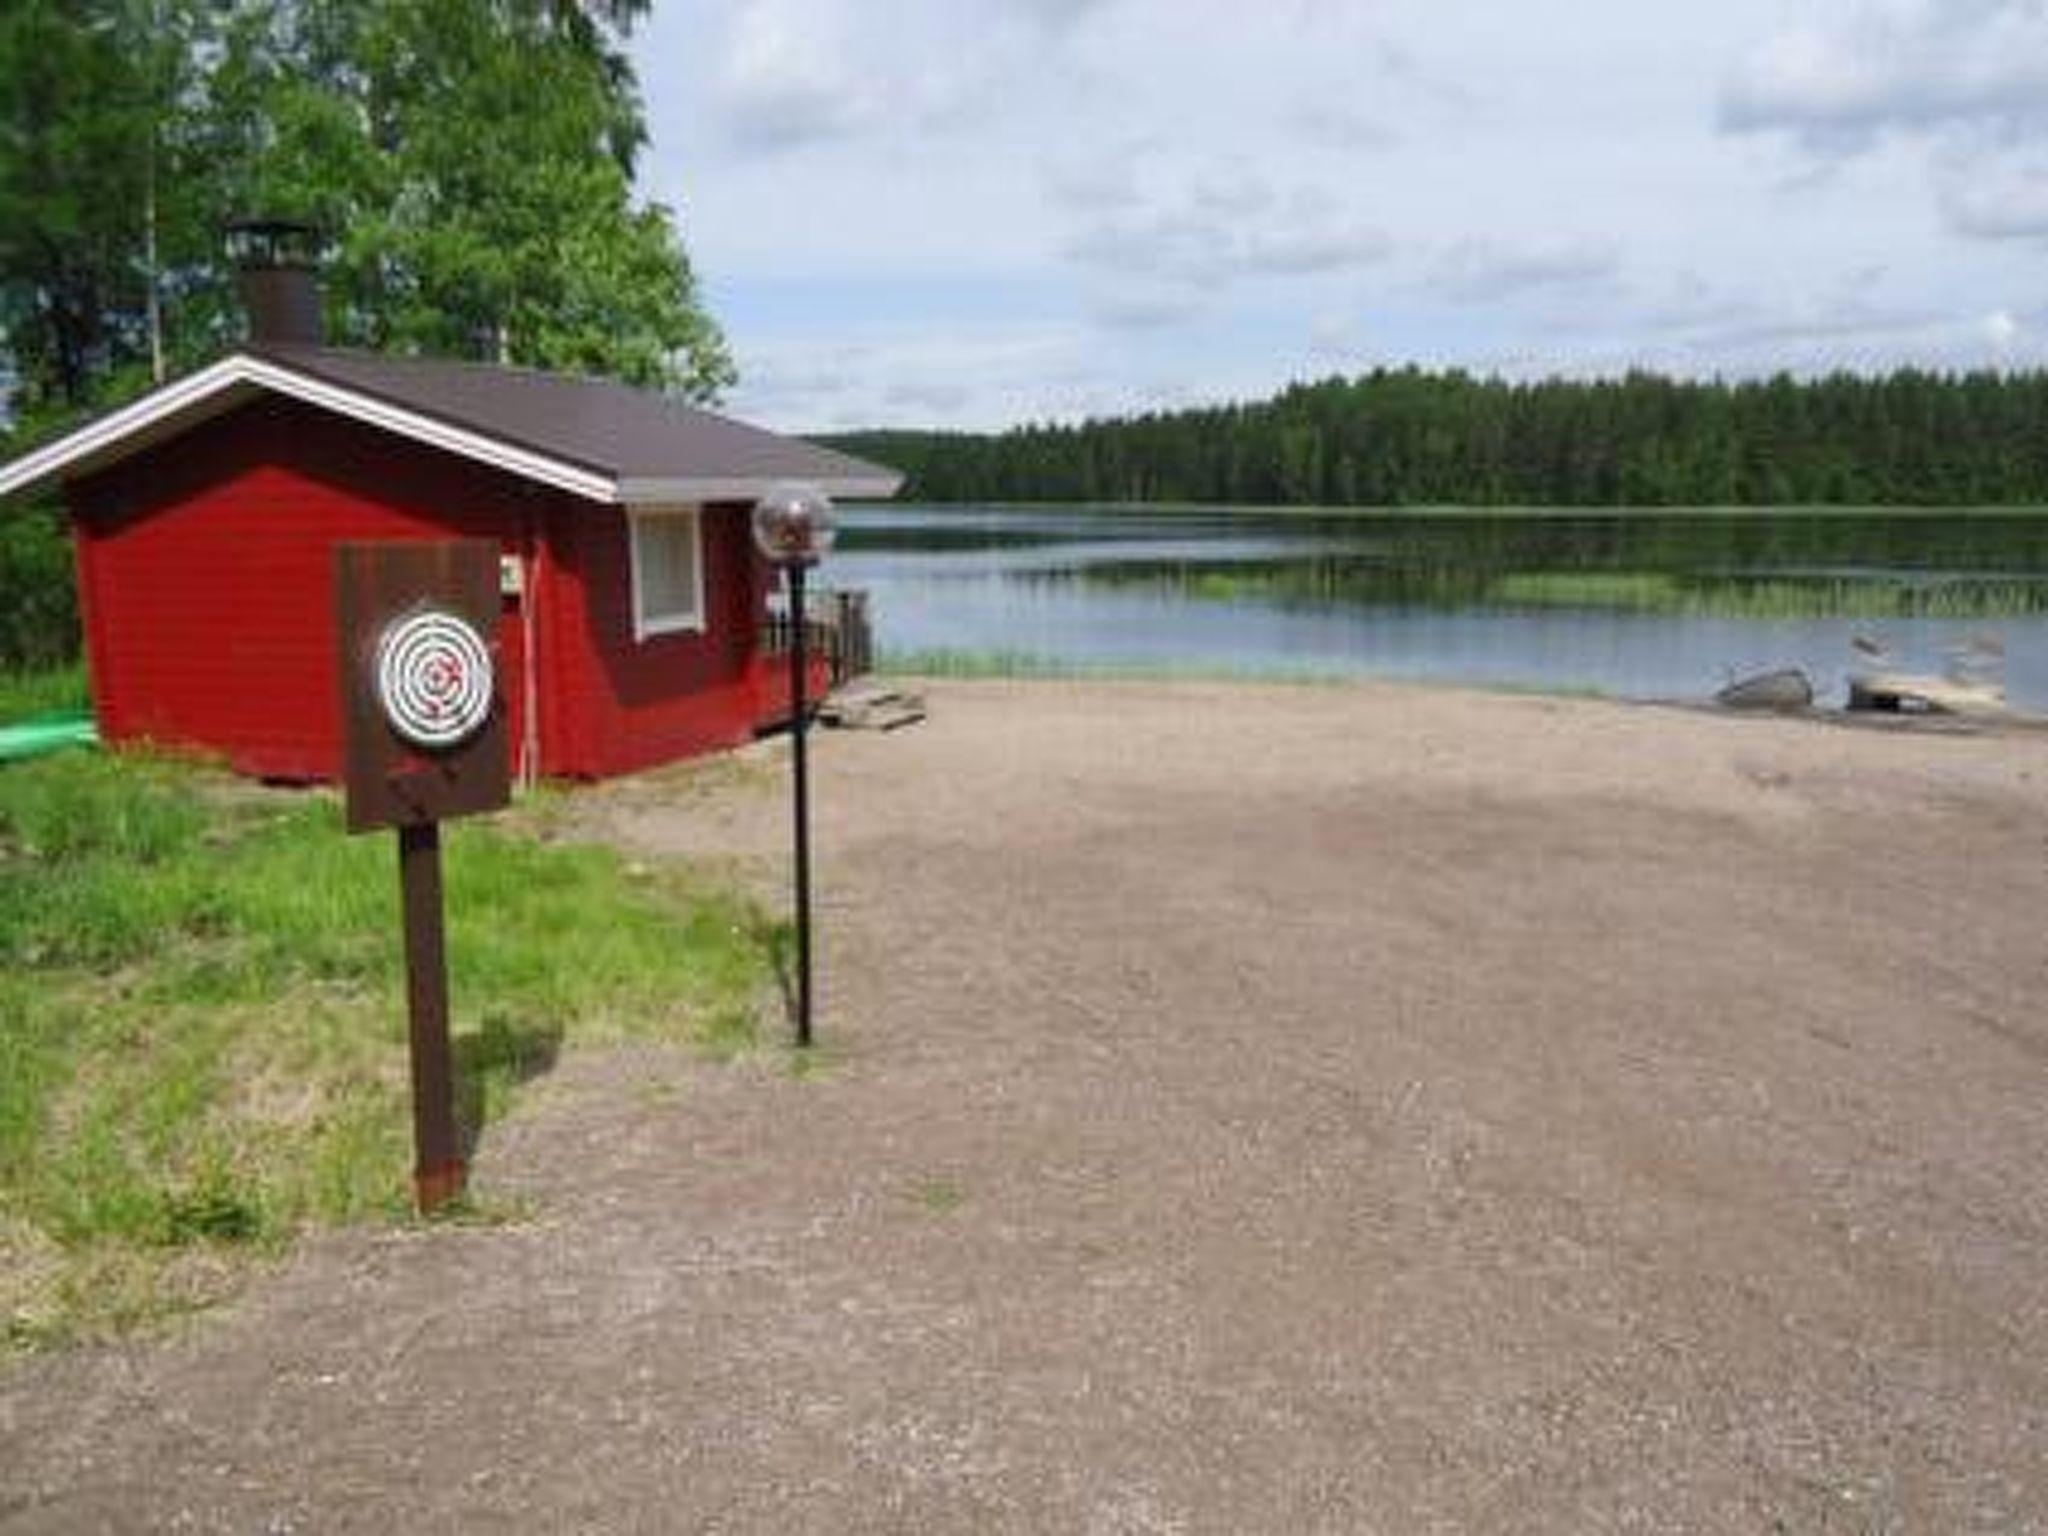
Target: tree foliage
38	598
472	162
76	150
1407	437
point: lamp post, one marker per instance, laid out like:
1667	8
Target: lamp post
793	529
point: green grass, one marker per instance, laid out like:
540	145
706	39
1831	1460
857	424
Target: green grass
942	662
939	1196
970	665
1772	598
202	1029
56	690
1371	583
1462	509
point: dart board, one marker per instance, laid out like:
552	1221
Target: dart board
433	678
424	735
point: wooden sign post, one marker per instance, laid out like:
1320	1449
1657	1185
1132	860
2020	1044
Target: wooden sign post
423	733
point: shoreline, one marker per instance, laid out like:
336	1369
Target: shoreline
1451	510
2016	720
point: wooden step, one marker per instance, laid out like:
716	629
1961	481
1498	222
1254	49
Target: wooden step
869	706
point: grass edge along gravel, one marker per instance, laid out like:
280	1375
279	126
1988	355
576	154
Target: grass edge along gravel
971	664
966	665
202	1029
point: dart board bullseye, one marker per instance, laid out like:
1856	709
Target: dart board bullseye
433	678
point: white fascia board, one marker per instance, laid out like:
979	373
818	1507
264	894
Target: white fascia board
96	437
693	489
102	438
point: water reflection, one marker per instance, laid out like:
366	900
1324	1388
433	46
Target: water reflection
1654	605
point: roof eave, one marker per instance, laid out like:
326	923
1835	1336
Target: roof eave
857	484
528	464
127	429
218	387
131	428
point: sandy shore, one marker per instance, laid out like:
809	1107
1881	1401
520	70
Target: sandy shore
1249	1109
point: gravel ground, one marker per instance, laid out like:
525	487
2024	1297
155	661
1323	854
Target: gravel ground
1244	1109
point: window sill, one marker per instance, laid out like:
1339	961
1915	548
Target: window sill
657	629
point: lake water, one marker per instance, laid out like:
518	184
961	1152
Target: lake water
1639	605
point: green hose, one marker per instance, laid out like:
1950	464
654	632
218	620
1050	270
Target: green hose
46	733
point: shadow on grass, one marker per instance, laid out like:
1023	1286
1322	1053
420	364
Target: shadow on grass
491	1062
776	938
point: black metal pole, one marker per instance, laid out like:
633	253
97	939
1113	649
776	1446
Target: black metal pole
437	1168
799	711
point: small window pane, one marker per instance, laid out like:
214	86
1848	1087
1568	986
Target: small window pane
666	586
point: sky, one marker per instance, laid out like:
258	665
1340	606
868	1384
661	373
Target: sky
979	213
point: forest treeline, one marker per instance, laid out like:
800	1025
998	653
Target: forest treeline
1409	437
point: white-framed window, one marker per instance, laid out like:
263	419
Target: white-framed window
668	570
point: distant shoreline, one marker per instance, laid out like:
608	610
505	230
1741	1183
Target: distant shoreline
1448	510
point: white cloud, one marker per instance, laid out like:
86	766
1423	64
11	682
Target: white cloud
1104	181
922	211
1928	66
1998	197
784	79
1485	271
1059	13
1817	333
1964	81
1145	310
1225	227
791	73
980	375
1343	127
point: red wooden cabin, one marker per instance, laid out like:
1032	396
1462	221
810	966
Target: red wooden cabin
205	512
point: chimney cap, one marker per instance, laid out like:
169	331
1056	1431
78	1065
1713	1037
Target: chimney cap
258	243
278	263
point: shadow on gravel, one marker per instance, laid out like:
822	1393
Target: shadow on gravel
494	1059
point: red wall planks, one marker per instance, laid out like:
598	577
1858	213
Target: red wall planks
640	702
205	565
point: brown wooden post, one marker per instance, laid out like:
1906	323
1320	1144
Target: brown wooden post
438	1168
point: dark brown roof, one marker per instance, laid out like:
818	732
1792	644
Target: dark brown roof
603	440
633	435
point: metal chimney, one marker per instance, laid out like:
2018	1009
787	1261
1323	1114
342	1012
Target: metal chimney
277	263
